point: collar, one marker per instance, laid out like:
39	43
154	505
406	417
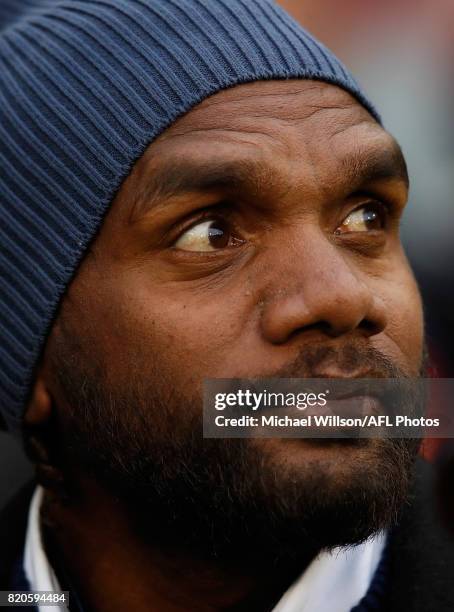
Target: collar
38	570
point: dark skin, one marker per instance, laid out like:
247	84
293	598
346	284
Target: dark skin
307	191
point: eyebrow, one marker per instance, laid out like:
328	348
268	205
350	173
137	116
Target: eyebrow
375	165
189	176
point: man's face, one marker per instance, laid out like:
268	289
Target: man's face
257	236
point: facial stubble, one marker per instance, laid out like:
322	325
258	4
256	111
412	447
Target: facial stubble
226	499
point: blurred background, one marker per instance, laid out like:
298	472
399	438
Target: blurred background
401	52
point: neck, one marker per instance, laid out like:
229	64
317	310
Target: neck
113	569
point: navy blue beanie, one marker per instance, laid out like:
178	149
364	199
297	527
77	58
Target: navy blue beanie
85	87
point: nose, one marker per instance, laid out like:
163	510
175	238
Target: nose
320	287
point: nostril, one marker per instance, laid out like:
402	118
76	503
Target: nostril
322	326
329	329
370	327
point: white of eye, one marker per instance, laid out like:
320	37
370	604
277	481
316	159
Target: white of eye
206	236
369	217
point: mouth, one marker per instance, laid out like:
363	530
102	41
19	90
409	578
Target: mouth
351	405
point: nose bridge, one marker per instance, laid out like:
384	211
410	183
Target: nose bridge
314	263
314	284
325	268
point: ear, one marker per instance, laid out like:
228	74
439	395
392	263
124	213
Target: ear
40	435
39	408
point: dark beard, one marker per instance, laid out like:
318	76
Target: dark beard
226	500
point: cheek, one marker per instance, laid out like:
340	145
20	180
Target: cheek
180	333
405	329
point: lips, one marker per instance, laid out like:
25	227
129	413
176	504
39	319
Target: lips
336	373
352	406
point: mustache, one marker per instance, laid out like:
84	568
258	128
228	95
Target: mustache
350	360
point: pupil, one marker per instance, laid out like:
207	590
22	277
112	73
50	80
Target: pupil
218	235
372	219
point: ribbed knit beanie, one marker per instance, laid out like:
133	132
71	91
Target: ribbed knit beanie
85	87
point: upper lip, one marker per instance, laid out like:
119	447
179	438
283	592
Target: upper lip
345	375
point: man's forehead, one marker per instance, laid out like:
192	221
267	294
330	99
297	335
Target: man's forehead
263	124
292	100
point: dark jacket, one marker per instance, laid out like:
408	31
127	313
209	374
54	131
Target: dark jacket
420	553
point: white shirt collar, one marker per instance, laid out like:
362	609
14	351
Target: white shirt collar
38	571
334	581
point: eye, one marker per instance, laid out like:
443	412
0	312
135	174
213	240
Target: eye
370	216
207	236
